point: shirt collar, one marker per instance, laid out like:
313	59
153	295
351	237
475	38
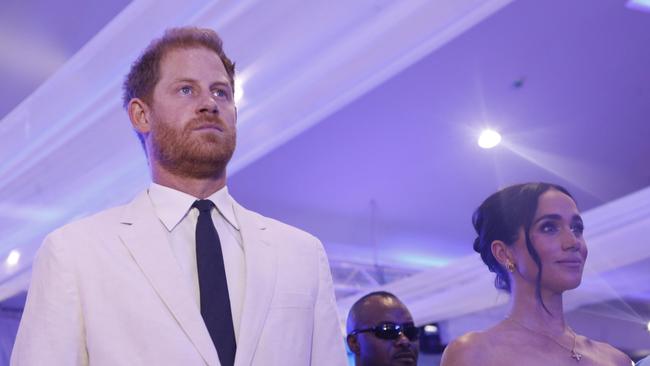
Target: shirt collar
172	206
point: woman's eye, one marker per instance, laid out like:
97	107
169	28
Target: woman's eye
186	90
548	227
578	228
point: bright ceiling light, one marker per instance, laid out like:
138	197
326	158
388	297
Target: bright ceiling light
489	139
430	329
13	257
648	326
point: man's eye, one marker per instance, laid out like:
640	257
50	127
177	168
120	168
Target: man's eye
186	90
220	93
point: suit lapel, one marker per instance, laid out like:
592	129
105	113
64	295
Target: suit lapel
144	236
261	267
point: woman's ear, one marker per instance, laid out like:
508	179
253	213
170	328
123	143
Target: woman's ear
503	255
139	115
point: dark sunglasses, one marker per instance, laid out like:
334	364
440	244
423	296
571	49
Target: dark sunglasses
390	331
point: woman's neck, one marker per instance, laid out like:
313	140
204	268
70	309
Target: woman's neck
526	309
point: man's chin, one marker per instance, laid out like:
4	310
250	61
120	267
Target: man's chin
404	360
207	171
197	169
194	159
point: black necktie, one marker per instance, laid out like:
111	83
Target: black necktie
215	303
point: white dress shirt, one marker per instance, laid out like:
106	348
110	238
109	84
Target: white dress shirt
173	208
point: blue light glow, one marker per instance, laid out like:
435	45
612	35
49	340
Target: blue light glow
422	261
643	5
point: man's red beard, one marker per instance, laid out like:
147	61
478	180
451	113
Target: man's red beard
193	154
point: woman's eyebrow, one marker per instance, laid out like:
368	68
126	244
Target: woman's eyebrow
548	216
556	217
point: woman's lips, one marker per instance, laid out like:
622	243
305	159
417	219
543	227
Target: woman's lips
571	263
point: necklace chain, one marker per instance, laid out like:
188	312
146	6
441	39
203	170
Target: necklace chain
574	354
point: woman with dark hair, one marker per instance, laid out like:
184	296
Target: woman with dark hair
530	236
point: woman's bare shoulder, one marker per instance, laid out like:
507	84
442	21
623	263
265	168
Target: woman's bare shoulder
605	351
467	349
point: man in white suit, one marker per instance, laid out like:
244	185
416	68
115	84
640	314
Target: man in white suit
128	286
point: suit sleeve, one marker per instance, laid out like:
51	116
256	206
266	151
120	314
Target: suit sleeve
327	341
51	330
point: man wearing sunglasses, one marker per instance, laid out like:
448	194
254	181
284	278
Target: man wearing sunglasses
381	331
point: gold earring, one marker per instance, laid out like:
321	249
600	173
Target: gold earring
510	267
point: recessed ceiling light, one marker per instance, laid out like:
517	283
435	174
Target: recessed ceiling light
13	257
648	326
489	139
643	5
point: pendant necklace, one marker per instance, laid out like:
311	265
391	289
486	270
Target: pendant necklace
574	354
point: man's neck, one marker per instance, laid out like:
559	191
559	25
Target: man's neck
198	187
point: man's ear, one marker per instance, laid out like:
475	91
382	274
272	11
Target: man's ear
139	115
501	251
353	344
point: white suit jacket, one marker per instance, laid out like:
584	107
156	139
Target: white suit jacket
107	290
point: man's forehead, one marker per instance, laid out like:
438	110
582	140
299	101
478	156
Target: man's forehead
192	63
379	309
